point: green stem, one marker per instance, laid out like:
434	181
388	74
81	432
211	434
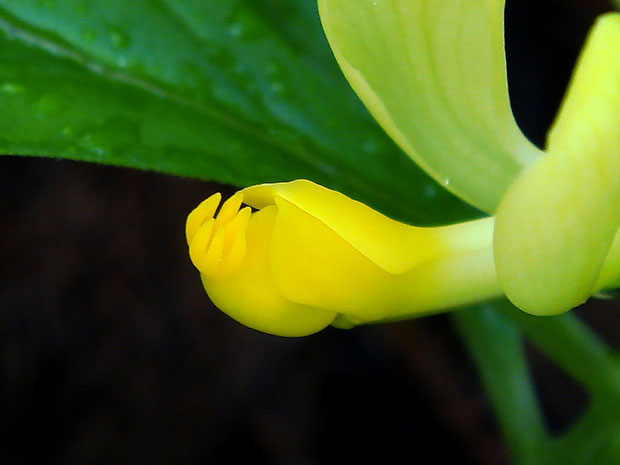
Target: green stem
596	429
609	453
496	346
572	345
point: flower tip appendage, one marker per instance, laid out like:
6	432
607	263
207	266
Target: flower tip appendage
217	243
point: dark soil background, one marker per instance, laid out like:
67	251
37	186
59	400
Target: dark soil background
110	352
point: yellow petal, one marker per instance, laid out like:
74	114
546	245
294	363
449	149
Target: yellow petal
391	245
314	265
311	264
555	226
609	277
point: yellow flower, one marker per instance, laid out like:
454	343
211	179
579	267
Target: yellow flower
311	257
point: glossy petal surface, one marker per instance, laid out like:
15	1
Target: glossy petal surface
363	228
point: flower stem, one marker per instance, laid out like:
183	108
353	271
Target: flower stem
587	438
496	346
572	345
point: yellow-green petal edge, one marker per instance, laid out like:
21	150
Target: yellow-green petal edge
433	74
555	227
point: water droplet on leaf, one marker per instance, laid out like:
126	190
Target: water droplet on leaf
119	39
10	87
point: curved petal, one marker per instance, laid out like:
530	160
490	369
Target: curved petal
555	227
315	266
609	277
393	246
433	74
312	265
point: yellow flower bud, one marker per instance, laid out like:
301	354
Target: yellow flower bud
310	257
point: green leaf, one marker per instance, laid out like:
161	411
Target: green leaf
433	74
223	91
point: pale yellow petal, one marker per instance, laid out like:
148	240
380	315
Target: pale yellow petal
557	222
433	74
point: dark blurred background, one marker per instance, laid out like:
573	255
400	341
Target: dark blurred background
110	352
